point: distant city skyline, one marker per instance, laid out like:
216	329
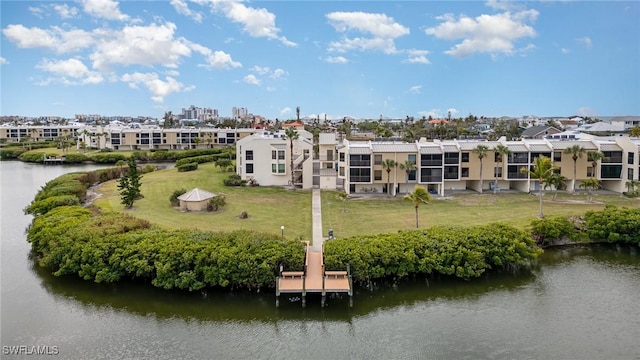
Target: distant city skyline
362	59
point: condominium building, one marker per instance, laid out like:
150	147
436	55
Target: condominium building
266	158
442	166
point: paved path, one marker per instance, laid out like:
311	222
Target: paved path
316	215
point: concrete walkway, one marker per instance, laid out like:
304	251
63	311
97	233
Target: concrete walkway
316	215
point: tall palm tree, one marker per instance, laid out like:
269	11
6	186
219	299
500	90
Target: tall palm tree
576	152
503	151
291	134
387	165
594	157
408	166
419	196
590	184
542	171
481	151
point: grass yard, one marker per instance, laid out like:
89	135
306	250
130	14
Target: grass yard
271	207
268	207
383	215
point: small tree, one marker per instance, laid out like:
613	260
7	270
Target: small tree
342	195
419	196
129	184
408	166
216	203
501	150
590	184
542	170
594	157
558	182
291	134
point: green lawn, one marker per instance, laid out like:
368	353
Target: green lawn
268	207
380	215
73	150
271	207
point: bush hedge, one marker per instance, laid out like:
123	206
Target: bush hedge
187	167
614	225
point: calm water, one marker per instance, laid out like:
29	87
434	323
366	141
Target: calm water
581	303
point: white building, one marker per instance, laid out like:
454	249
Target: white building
266	158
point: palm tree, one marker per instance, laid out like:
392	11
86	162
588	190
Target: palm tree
631	185
408	166
481	151
419	196
590	184
542	170
291	134
387	164
503	151
594	157
635	132
576	152
558	182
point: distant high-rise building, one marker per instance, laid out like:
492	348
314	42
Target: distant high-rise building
202	114
239	113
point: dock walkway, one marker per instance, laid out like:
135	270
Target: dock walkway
314	278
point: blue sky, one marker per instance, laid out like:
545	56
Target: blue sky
339	58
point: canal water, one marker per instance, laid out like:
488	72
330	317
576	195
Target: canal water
578	303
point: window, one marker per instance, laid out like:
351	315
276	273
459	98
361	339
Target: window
629	174
430	175
412	158
277	168
342	157
518	158
557	156
360	175
611	171
497	172
280	154
274	154
451	172
360	160
377	175
465	157
431	160
497	157
281	169
513	172
341	172
249	168
451	158
412	175
612	157
630	158
465	171
377	160
249	155
590	171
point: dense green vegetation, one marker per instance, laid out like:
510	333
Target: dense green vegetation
465	252
614	225
111	157
187	167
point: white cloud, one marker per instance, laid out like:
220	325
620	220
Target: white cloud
380	31
142	45
434	113
336	60
104	9
495	34
586	41
416	89
172	73
159	88
285	111
251	79
65	11
55	39
270	89
278	73
36	11
586	111
452	111
182	8
417	57
70	72
565	51
256	22
221	60
3	61
260	70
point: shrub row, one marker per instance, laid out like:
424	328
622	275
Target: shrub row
615	225
197	159
465	252
187	167
11	153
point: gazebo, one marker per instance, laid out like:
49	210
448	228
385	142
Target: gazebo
195	200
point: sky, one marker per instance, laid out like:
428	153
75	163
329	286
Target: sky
363	59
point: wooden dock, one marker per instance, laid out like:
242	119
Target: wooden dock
314	279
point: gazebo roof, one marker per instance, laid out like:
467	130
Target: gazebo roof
196	195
